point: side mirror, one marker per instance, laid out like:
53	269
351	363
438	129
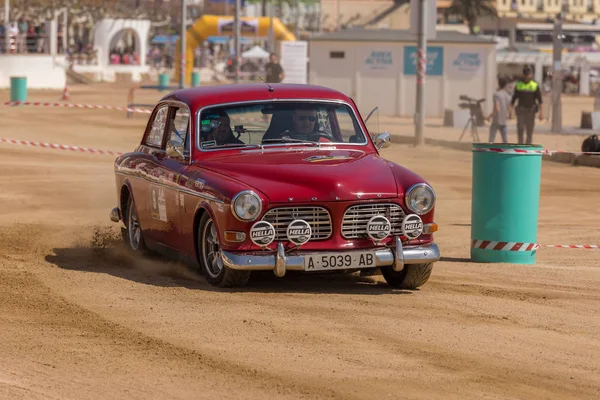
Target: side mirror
383	140
174	149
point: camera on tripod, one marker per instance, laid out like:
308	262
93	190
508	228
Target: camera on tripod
475	116
474	106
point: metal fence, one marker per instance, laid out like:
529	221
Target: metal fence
27	44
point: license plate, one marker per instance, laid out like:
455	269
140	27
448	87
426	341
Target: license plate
327	262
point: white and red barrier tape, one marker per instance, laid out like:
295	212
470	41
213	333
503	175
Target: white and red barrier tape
243	119
520	246
574	246
61	147
503	246
524	151
71	105
100	107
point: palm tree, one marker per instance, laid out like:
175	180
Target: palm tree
471	10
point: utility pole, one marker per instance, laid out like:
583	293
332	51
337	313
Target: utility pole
297	17
421	73
182	42
557	71
271	28
319	22
6	20
236	40
65	31
339	16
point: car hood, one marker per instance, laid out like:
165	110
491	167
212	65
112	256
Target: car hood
309	174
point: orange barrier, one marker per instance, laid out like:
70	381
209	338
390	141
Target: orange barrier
218	25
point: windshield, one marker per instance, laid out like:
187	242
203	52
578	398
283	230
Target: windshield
268	123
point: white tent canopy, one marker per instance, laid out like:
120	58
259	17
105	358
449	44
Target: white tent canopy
256	52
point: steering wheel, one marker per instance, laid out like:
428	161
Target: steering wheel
323	135
309	137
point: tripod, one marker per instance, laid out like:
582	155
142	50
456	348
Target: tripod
473	122
475	115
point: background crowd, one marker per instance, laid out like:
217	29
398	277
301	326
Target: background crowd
26	37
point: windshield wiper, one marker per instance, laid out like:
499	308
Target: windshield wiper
236	145
290	140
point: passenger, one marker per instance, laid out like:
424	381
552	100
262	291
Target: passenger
217	127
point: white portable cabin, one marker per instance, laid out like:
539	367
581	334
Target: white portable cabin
378	68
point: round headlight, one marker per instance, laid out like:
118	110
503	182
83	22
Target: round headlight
420	198
246	205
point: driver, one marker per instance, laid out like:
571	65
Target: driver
217	127
304	121
305	125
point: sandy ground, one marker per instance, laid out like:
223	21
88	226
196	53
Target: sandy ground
79	319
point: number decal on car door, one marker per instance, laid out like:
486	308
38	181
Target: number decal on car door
158	203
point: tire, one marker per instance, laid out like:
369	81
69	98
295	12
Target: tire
132	234
211	264
411	277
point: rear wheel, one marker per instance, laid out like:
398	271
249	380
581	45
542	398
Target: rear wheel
211	264
411	277
133	232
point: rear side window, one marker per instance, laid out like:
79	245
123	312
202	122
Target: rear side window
178	131
157	131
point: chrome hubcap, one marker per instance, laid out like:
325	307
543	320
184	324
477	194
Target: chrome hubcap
135	233
210	250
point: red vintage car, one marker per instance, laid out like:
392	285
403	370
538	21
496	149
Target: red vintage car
282	177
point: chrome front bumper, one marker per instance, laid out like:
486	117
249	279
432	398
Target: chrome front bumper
280	262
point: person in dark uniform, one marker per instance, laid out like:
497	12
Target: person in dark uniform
529	102
273	70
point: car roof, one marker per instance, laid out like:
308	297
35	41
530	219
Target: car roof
200	97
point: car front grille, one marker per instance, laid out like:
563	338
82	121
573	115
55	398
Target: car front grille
354	224
317	217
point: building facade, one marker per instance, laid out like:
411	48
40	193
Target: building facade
378	68
575	10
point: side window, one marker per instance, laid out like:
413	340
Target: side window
178	131
347	126
155	136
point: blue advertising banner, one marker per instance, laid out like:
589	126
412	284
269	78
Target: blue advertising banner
435	60
465	64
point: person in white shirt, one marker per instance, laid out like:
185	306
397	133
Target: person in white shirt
501	112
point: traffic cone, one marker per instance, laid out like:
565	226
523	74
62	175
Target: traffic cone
66	94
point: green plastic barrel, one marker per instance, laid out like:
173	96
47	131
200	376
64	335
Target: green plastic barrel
18	88
195	79
505	203
163	79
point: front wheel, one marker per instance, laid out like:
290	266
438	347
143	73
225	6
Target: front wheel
211	264
411	277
